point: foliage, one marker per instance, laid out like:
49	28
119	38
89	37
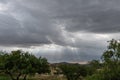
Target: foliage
96	76
73	71
19	63
110	69
93	66
4	77
111	60
95	63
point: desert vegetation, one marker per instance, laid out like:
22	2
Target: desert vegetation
20	65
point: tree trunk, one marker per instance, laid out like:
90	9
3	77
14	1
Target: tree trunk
18	76
24	78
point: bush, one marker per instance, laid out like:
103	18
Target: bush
97	76
73	71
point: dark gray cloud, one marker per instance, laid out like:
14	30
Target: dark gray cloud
12	33
95	22
98	16
80	27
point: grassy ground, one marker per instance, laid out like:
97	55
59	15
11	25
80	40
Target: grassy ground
47	77
4	77
36	77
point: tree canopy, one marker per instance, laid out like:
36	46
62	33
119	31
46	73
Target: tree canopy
111	60
73	71
19	63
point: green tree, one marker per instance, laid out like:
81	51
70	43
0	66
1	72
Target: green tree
111	60
95	63
93	66
73	71
19	63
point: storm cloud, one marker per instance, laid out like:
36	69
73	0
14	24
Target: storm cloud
60	30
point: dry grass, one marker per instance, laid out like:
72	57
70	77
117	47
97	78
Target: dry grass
47	77
36	77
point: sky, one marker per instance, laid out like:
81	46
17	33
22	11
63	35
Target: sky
60	30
